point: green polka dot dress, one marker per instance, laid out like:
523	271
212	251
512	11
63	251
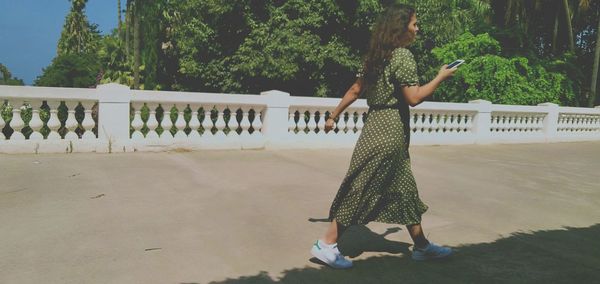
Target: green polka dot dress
379	185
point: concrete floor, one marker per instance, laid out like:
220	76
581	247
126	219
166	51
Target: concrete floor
252	216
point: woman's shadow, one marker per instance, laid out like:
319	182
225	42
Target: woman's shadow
359	239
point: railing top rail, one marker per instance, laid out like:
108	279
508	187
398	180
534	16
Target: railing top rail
519	109
579	110
28	93
454	107
196	98
324	103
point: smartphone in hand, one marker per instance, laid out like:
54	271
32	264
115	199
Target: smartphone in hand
456	63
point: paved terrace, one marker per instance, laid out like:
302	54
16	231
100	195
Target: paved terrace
515	213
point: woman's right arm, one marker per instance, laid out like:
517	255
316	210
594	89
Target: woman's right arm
414	95
350	96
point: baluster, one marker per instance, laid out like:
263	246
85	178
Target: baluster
469	123
301	122
351	124
561	123
152	122
540	123
245	124
291	122
462	122
428	123
571	123
53	123
137	123
587	124
359	122
2	122
505	123
233	123
180	122
341	125
88	122
454	123
419	122
257	121
17	123
312	123
524	124
435	124
71	123
512	123
194	123
207	122
494	124
220	123
35	123
166	123
321	123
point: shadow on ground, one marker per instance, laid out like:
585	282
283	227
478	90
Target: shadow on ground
571	255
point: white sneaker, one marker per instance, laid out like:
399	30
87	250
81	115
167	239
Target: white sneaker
431	251
330	255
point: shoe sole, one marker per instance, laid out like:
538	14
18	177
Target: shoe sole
432	257
316	255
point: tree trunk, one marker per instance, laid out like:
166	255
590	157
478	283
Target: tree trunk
120	23
569	26
555	34
593	91
127	29
136	44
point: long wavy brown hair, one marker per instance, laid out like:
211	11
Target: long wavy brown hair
389	32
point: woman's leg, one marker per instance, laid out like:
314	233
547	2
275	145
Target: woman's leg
416	233
334	231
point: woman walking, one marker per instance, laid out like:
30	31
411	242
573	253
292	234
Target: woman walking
379	185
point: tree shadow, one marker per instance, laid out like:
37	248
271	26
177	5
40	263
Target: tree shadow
569	255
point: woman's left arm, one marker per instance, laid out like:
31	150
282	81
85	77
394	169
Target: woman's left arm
351	95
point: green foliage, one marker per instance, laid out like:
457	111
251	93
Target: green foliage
113	62
6	77
486	75
78	35
304	47
70	70
440	23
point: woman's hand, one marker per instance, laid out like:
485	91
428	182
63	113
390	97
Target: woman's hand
329	125
446	73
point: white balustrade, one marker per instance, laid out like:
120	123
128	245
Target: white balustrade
270	120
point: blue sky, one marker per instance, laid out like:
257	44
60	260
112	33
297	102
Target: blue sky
30	29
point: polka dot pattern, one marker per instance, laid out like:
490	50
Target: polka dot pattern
379	185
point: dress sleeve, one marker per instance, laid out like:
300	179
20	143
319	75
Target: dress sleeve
404	67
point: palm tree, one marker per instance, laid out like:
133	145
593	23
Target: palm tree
136	43
593	90
77	36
